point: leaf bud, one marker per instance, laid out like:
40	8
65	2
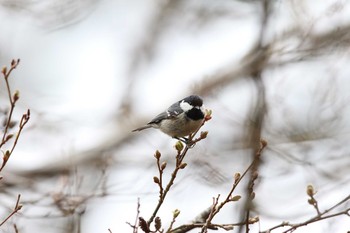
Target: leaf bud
6	156
237	177
176	213
156	180
204	134
157	155
163	166
157	223
182	165
235	198
4	70
16	96
310	190
179	146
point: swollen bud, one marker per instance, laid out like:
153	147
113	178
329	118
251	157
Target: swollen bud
204	134
310	190
163	166
6	156
8	137
235	198
208	113
311	201
182	165
237	177
179	146
16	96
263	143
176	213
157	154
143	224
157	223
4	70
253	220
156	180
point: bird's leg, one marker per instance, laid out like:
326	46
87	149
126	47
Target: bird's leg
183	139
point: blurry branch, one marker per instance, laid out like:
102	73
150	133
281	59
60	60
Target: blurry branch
272	52
319	215
14	211
135	226
144	50
8	123
259	111
52	15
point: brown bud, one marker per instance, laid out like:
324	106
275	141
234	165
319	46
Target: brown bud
253	219
14	63
252	195
204	134
157	223
6	156
310	190
311	201
4	70
143	225
8	137
163	166
182	165
237	177
157	155
235	198
16	96
263	143
156	180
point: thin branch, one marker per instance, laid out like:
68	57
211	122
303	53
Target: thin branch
17	208
318	217
11	100
25	117
179	165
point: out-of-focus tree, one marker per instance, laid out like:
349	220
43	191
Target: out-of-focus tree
275	70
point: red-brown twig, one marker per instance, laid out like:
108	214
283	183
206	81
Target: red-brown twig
8	123
319	217
17	208
237	179
181	153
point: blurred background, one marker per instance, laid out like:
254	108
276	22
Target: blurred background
91	71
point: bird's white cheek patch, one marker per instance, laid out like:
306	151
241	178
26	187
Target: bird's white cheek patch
185	106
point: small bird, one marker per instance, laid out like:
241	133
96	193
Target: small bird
181	119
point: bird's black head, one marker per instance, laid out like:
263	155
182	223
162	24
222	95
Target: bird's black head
194	100
192	105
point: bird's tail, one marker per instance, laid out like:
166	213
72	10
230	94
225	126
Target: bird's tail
142	128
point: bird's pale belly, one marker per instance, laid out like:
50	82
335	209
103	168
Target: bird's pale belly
180	127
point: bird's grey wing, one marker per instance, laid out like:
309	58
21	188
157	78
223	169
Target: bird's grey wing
159	118
174	110
171	112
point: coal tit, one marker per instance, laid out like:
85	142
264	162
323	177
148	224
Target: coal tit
181	119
